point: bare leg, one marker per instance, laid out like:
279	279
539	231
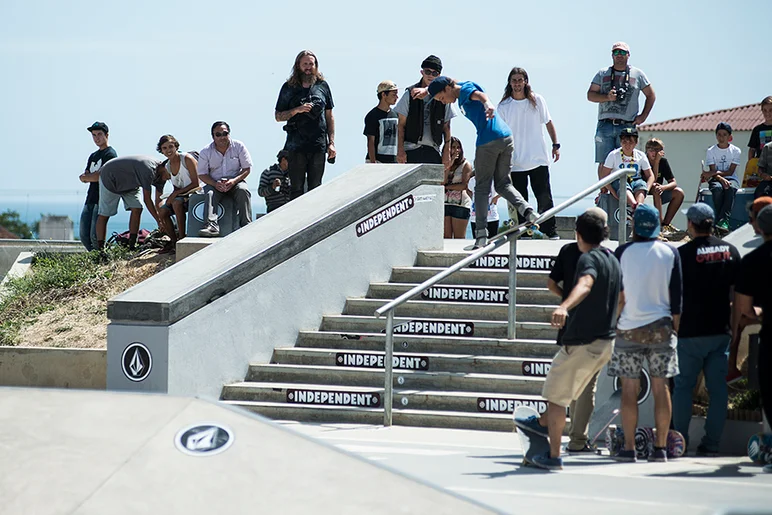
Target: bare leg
674	206
134	219
630	388
179	212
556	422
663	409
448	228
459	227
631	199
658	204
101	230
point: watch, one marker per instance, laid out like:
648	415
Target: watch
556	146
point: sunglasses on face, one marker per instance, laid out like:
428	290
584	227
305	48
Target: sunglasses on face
619	52
221	134
432	73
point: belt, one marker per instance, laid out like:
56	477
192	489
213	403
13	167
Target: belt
616	121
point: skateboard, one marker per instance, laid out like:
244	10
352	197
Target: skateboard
603	416
760	448
532	443
751	177
644	442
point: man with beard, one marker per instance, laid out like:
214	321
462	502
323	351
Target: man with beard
305	103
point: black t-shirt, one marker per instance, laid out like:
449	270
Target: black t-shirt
383	125
306	132
760	136
563	271
665	172
755	280
709	267
94	163
596	316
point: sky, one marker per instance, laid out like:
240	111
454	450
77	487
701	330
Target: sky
148	68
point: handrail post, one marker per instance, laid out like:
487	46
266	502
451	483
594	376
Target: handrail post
388	380
622	229
512	305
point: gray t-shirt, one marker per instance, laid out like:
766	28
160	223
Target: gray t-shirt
426	139
626	109
124	174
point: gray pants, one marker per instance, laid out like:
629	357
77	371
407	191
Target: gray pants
492	163
242	200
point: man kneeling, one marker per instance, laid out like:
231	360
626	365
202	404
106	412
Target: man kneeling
589	315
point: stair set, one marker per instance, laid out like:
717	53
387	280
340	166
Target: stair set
453	366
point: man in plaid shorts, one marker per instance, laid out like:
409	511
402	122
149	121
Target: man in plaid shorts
647	327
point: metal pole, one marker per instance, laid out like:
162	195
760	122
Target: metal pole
622	210
512	311
388	385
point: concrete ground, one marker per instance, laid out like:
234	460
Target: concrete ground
485	466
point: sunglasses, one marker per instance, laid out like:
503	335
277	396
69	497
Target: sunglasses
619	52
221	134
432	73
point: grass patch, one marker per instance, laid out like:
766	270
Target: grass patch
52	281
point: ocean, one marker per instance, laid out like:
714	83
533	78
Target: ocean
33	204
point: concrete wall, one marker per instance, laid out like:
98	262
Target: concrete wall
225	328
52	367
10	250
684	151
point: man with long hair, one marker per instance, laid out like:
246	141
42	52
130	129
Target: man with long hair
526	113
305	103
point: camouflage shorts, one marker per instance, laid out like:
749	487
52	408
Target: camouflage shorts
628	363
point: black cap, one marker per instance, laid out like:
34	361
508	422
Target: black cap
629	131
432	63
725	126
98	126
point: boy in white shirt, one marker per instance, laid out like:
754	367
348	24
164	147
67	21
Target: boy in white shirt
627	156
723	158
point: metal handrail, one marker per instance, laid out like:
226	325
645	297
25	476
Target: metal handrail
510	236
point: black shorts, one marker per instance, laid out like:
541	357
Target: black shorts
459	212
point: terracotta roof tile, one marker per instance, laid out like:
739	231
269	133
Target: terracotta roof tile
743	118
6	234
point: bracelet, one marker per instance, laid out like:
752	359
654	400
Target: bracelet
556	146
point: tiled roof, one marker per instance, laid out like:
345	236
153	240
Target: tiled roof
6	234
743	118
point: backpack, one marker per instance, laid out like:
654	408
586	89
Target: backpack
123	238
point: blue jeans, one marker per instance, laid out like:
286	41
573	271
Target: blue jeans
711	354
723	200
88	218
607	138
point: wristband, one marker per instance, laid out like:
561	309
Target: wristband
556	146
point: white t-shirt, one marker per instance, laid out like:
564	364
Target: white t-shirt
527	124
493	211
723	158
616	160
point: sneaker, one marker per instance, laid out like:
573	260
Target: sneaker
723	224
545	462
733	376
767	468
705	452
210	231
625	456
552	235
478	243
532	424
586	450
659	454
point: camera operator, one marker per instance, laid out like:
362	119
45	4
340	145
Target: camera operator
305	103
616	91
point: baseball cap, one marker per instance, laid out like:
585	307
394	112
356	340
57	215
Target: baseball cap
725	126
438	85
432	63
629	131
387	85
646	221
98	126
620	45
699	212
764	221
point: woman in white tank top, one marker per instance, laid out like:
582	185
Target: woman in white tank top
182	171
457	200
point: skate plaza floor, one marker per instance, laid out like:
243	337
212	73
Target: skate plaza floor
486	467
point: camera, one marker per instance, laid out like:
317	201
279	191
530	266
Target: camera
621	93
316	106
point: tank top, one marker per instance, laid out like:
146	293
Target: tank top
456	197
182	179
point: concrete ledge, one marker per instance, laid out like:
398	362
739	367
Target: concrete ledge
10	250
53	367
189	245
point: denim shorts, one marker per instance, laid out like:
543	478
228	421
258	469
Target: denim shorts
635	186
454	211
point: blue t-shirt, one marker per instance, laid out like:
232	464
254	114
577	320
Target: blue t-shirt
487	130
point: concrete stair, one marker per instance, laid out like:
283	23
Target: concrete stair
453	365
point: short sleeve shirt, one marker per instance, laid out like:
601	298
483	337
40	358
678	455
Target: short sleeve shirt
616	160
306	132
754	278
128	173
487	130
664	172
94	164
760	136
383	126
723	158
633	80
403	108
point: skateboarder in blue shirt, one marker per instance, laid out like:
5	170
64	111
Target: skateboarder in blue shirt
589	316
493	156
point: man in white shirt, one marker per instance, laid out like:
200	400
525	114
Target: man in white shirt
723	158
526	112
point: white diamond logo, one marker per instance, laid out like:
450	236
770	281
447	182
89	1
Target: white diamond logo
136	362
201	441
136	365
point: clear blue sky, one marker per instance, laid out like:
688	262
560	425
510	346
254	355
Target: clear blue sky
150	68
